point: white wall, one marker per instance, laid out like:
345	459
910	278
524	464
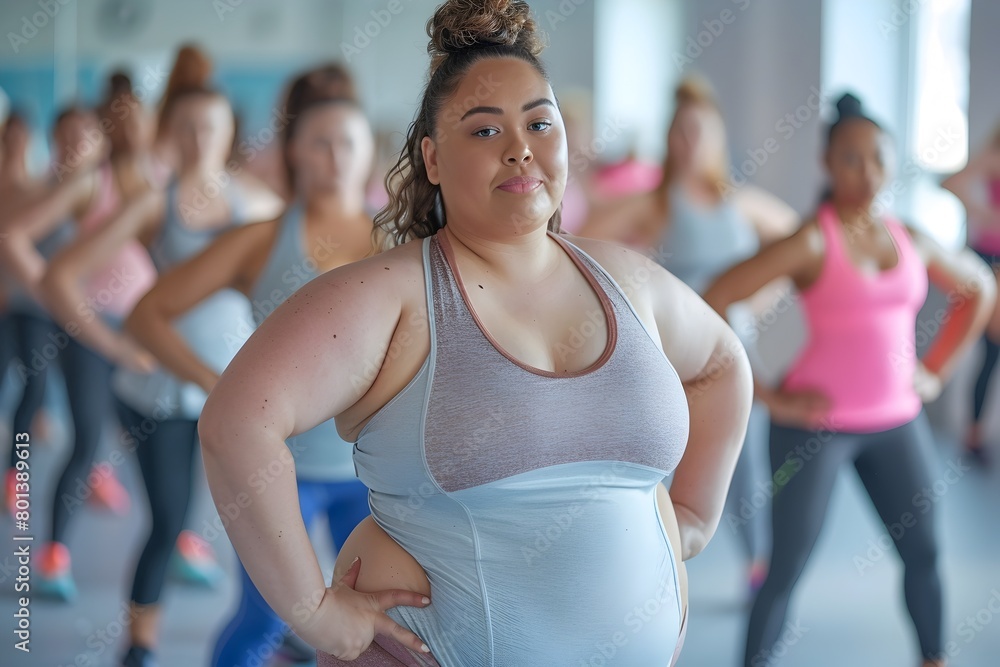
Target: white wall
383	41
765	66
984	89
636	47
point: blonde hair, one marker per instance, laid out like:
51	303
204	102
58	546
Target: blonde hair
694	91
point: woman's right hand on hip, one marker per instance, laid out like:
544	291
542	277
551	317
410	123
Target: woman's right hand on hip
346	621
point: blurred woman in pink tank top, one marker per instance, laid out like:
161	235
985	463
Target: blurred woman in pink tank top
854	394
978	188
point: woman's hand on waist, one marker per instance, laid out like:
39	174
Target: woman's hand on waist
928	385
346	621
802	409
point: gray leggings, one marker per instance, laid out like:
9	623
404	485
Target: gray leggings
894	469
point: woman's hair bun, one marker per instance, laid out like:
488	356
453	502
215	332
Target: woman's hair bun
119	84
459	25
849	106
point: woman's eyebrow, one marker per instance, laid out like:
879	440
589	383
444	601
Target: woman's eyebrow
497	111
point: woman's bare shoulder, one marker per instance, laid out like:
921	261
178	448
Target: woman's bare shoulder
618	260
396	274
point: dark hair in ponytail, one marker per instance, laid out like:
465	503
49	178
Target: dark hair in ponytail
849	109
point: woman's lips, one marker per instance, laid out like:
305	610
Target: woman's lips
520	184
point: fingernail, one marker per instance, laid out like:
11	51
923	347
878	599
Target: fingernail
355	561
423	647
425	600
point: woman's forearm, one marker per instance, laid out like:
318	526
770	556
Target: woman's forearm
64	298
965	321
51	207
719	403
22	261
157	334
251	475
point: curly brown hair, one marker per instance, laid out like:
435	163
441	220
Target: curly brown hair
462	32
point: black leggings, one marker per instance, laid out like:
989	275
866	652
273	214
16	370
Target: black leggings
992	354
38	344
166	451
41	344
88	381
893	467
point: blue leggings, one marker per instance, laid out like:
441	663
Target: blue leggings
255	632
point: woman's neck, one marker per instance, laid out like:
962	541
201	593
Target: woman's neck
528	257
203	172
855	215
14	173
335	211
334	206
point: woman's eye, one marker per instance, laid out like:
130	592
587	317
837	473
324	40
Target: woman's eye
540	126
483	132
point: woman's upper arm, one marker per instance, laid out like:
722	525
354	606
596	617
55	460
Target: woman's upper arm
795	257
690	331
97	249
261	202
307	362
954	273
770	216
222	264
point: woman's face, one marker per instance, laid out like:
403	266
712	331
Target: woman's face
855	161
15	139
499	150
332	151
78	139
129	132
202	127
697	138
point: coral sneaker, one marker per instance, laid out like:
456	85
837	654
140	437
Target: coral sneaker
54	578
194	561
108	493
